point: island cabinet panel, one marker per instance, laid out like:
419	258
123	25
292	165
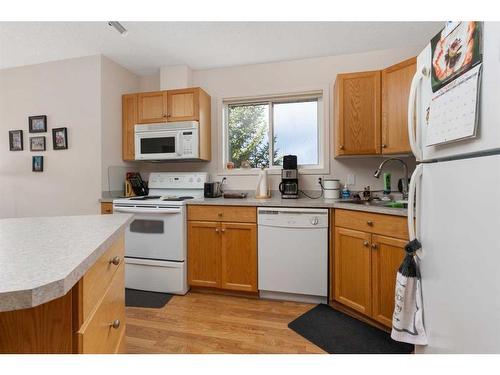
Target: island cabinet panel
357	113
353	269
103	331
204	254
129	119
396	82
239	256
90	318
387	255
183	105
44	329
222	247
96	281
152	107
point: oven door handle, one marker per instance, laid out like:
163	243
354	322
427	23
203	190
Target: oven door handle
139	210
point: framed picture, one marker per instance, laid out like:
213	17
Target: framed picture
16	140
38	124
37	143
60	138
37	164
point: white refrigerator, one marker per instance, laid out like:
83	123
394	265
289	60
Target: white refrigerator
457	215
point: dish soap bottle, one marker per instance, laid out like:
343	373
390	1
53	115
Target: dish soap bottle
346	194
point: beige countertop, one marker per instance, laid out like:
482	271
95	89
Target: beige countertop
277	201
42	258
302	202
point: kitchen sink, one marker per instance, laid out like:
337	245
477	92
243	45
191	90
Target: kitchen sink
376	202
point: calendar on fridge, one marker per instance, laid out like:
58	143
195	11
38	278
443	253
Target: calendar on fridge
454	109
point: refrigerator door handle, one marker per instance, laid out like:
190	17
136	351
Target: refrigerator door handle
412	129
412	218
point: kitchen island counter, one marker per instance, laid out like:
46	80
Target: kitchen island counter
42	258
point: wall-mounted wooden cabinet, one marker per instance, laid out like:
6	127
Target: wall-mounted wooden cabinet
357	113
222	254
190	104
368	250
152	107
396	81
371	109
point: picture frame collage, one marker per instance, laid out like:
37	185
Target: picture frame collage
38	124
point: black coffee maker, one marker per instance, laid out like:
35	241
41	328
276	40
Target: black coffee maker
289	185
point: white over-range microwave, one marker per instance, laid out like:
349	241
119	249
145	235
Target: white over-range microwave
167	141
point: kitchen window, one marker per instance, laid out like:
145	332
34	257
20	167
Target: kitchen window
258	132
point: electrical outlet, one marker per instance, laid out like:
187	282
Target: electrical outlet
351	179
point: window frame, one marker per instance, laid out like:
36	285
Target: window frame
323	130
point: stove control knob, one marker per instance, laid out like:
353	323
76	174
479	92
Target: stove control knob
315	220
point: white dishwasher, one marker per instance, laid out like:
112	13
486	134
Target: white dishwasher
293	254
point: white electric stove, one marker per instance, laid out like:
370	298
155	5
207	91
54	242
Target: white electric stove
155	241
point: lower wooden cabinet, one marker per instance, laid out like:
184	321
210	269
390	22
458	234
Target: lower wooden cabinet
387	255
222	254
204	254
352	269
366	263
239	256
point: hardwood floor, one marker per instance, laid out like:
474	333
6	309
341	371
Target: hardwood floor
208	323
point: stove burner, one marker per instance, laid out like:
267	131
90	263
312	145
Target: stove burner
145	198
176	199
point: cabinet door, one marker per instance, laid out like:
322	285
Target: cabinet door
152	107
204	254
396	81
239	257
183	105
357	113
387	255
352	269
129	119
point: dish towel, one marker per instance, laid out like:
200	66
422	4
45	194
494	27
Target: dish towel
407	320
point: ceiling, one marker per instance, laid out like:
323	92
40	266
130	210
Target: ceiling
202	45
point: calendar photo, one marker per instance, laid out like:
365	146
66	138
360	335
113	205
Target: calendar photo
455	50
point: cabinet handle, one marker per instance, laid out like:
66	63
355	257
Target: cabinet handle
115	260
115	324
365	243
370	223
341	147
222	230
219	214
384	146
217	230
374	246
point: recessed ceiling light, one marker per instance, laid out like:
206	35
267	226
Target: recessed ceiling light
118	27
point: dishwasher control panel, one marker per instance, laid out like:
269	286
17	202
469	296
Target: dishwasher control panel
293	217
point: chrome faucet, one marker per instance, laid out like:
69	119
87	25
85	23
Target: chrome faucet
405	171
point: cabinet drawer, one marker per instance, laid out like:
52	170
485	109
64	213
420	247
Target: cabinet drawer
97	279
236	214
393	226
106	208
98	335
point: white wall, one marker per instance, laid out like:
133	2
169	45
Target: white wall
68	92
150	82
285	77
115	81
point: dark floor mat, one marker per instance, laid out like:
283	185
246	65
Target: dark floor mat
142	298
337	333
